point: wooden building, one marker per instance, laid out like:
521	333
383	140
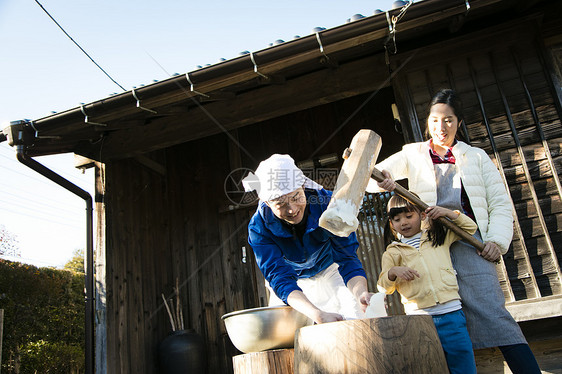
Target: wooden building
168	156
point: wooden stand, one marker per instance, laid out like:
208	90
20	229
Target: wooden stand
395	344
278	361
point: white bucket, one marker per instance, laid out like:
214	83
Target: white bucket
376	306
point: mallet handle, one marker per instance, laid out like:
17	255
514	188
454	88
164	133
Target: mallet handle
379	177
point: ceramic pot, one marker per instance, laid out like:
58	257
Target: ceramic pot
182	352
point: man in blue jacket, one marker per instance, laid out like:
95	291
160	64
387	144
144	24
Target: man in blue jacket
307	267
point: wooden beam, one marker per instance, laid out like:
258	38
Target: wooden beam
544	307
81	162
151	164
547	352
524	5
258	105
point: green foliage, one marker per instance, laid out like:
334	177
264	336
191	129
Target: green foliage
43	319
51	357
76	263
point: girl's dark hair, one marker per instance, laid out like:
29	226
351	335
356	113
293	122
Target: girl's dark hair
449	97
396	205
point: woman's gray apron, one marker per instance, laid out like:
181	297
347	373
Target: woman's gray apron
489	323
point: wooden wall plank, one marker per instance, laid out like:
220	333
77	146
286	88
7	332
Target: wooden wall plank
102	282
122	273
162	267
137	266
138	189
111	194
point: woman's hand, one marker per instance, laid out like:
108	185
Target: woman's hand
388	183
491	252
402	272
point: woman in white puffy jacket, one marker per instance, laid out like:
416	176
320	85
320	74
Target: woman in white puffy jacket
450	173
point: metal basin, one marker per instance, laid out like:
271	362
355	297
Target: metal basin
260	329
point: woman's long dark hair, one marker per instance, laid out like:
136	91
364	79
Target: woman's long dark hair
449	97
396	205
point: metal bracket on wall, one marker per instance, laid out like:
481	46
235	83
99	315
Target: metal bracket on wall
262	78
139	103
86	120
256	66
326	59
37	136
192	88
391	39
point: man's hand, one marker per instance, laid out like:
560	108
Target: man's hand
324	317
365	299
300	302
358	287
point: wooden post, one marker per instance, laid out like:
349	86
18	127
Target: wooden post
1	334
278	361
395	344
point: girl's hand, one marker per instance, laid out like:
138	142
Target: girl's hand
491	252
402	272
435	212
388	183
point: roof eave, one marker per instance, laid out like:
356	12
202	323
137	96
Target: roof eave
376	26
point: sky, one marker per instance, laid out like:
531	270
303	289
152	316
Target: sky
136	42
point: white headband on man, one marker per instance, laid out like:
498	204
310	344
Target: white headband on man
277	176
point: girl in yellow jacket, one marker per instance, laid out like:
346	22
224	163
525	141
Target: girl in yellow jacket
418	265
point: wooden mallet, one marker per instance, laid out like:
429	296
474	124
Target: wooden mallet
340	218
399	190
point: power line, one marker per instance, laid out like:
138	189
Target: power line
41	216
28	260
58	171
35	188
40	180
39	210
6	148
43	219
78	45
75	179
53	201
35	216
33	202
